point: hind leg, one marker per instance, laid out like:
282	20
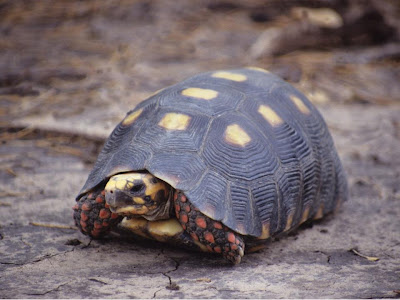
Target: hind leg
215	236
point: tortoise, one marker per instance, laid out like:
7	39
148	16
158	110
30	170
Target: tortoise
220	162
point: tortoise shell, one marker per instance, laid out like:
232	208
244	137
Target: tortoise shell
245	147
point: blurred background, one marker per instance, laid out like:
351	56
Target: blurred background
65	60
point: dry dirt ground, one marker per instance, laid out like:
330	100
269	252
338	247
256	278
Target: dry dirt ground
69	72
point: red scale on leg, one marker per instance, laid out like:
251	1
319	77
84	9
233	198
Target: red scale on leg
217	225
187	208
209	237
86	206
115	216
83	225
201	222
105	213
84	216
183	218
230	237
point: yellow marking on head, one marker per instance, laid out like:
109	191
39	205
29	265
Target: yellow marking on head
230	76
153	188
264	232
138	200
175	121
304	217
320	212
234	134
258	69
132	210
270	115
119	182
126	181
129	119
205	94
300	104
289	222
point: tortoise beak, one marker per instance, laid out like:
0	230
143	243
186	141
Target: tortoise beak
116	199
123	204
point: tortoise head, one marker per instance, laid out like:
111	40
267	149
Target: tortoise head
132	194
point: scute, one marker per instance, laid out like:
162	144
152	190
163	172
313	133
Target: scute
247	149
225	100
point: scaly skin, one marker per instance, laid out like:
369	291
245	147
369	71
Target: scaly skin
93	216
213	234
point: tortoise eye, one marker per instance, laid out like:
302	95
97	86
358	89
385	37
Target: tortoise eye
137	188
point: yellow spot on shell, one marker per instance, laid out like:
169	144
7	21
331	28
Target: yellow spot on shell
258	69
234	134
270	115
205	94
289	222
175	121
230	76
320	212
300	104
264	232
129	119
304	217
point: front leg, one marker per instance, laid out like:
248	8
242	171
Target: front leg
213	234
93	216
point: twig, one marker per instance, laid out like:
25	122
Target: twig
370	258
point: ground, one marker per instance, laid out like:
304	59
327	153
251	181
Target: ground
70	72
